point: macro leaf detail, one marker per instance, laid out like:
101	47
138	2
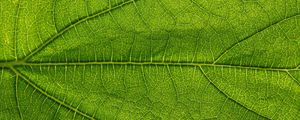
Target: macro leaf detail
149	59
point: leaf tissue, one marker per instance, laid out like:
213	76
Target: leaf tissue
149	59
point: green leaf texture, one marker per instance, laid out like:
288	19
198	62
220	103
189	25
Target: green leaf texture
149	59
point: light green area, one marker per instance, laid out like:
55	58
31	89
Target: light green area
149	59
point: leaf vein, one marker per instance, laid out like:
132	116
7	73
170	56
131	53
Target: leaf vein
253	34
152	63
17	98
73	25
50	96
235	101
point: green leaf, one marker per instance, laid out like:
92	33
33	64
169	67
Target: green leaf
149	59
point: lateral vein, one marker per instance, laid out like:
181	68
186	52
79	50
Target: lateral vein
228	96
72	25
48	95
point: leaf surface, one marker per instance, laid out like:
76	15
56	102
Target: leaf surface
149	59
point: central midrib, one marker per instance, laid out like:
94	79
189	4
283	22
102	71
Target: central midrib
157	63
